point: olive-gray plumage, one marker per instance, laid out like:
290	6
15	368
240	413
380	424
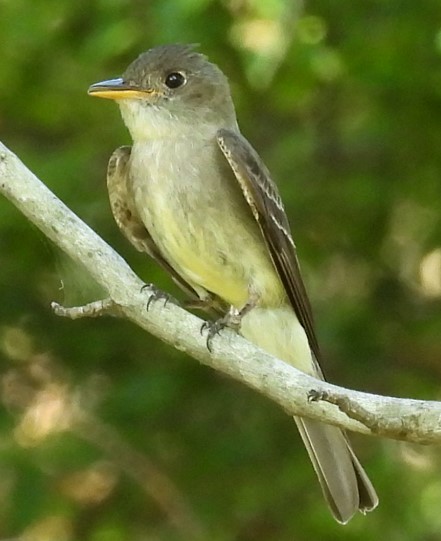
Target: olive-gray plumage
195	195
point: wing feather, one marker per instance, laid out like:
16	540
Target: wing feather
127	218
262	196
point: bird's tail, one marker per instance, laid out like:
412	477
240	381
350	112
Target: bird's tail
344	483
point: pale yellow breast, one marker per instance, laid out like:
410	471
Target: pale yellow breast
199	219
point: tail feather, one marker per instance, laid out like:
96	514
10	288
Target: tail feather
368	495
344	483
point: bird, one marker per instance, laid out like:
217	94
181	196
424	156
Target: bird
192	193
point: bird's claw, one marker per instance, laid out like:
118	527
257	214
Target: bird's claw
212	328
232	320
157	294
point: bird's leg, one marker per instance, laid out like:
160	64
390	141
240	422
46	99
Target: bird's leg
207	303
231	319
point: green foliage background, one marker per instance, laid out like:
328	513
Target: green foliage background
343	101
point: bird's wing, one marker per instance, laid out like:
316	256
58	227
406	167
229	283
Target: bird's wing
127	218
266	205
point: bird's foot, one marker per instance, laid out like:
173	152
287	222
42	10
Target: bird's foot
157	294
231	319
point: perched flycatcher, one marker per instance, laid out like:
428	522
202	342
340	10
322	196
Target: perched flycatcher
194	194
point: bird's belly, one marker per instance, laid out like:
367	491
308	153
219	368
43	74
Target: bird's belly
203	226
202	257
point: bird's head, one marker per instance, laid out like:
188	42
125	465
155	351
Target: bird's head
170	89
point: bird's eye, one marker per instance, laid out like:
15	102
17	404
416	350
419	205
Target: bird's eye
175	79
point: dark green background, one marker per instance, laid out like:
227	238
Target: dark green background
343	101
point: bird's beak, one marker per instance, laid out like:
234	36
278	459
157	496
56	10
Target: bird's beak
118	89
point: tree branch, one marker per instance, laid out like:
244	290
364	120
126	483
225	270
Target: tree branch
296	392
